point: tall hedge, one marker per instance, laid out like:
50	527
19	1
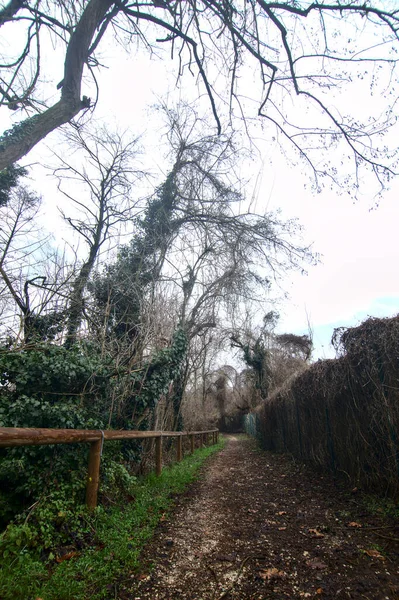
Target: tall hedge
343	414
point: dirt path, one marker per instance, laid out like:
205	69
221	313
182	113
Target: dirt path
260	526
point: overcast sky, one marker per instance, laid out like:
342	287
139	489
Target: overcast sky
357	275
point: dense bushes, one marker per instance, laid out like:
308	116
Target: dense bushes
45	385
343	414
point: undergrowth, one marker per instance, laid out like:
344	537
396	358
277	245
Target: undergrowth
387	507
104	547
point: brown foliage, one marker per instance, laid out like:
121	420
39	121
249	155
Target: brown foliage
343	414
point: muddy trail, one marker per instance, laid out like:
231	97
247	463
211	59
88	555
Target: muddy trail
259	525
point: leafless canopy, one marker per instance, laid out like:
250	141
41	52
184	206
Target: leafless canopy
304	53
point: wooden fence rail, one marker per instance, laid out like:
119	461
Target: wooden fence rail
18	436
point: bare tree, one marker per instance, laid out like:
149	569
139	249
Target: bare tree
100	194
306	54
216	250
213	254
200	407
194	249
33	275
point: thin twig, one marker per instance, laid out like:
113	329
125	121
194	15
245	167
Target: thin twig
232	586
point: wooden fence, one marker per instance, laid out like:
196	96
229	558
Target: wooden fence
16	436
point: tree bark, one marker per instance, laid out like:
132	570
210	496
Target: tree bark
7	13
76	305
23	137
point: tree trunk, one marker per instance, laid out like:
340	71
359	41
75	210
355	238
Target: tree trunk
76	304
23	137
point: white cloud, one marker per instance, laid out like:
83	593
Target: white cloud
360	255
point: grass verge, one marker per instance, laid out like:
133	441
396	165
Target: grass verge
120	532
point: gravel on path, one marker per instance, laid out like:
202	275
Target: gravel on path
262	526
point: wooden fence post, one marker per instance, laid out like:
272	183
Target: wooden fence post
192	444
158	455
93	473
179	448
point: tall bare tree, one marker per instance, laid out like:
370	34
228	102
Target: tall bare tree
196	244
100	194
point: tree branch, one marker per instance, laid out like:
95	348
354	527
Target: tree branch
23	137
8	12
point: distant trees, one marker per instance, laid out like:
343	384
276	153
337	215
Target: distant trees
304	55
256	354
271	359
222	396
257	357
289	355
213	399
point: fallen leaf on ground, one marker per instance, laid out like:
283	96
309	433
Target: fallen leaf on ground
374	554
60	559
319	591
282	528
272	573
354	524
314	563
281	513
315	533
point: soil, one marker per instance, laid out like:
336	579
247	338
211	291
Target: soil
258	525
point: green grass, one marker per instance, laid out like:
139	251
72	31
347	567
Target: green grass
386	507
121	533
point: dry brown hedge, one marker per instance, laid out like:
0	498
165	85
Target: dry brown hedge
343	414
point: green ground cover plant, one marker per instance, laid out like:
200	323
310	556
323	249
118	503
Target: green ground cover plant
104	547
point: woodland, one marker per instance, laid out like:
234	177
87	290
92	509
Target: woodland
154	312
